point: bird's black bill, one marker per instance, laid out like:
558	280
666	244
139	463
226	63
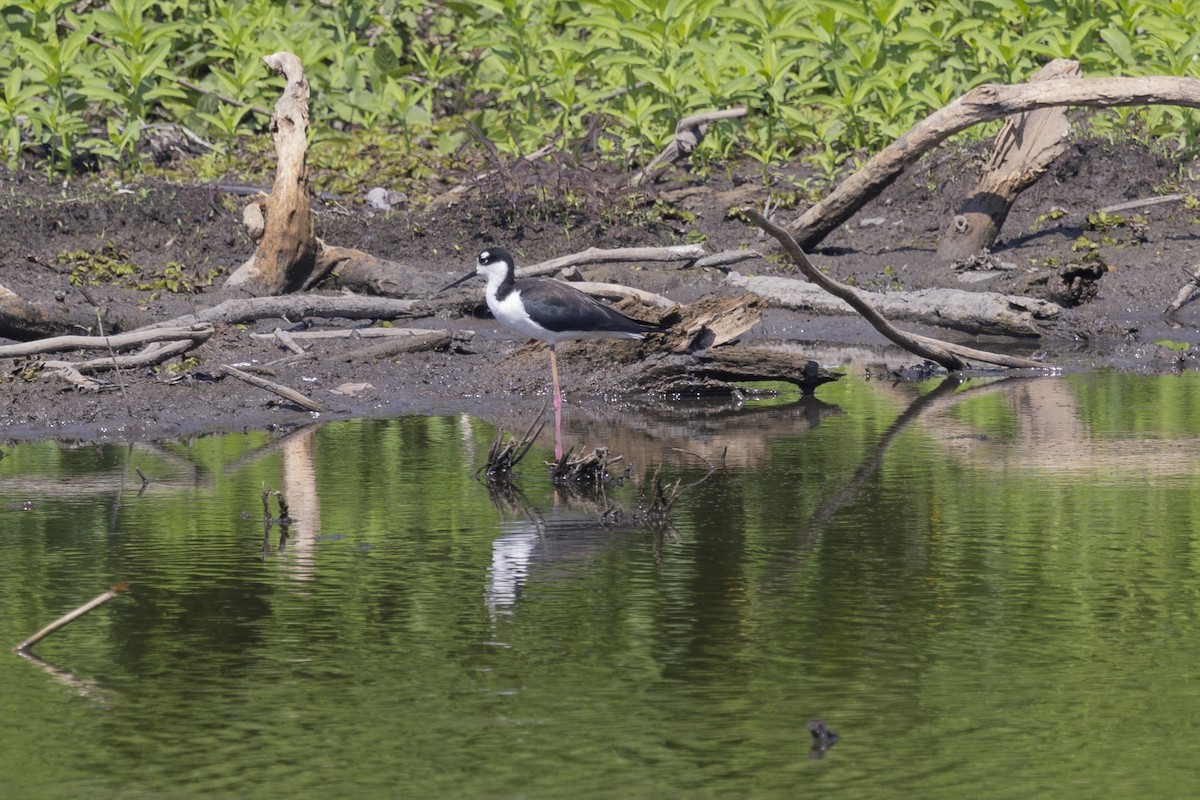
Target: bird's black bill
463	279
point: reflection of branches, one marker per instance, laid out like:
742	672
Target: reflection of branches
82	687
941	398
870	463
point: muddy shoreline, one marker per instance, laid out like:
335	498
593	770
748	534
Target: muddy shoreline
195	232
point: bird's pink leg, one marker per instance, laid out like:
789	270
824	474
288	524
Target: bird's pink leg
558	448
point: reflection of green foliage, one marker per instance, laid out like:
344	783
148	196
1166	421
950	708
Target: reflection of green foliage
785	393
1113	405
942	589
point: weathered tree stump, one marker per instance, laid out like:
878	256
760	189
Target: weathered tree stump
286	254
1026	145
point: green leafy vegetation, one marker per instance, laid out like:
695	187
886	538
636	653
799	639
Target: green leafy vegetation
110	265
413	83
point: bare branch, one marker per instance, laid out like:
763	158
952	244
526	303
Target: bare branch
595	255
981	104
946	354
290	395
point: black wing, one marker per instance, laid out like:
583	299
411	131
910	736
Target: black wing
560	307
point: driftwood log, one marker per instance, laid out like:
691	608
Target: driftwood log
286	254
694	357
970	312
234	312
198	333
1027	144
981	104
716	371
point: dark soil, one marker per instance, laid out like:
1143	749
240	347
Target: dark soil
51	231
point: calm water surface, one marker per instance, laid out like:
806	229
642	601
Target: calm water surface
988	590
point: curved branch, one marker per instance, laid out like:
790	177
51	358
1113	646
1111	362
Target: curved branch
946	354
981	104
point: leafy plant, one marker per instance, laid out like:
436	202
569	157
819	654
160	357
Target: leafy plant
824	80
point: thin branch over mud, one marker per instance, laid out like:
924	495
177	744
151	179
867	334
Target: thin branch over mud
291	395
951	356
616	255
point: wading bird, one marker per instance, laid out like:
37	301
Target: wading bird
548	310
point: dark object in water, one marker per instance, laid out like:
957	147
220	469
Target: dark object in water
823	738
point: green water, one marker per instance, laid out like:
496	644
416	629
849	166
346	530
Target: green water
988	590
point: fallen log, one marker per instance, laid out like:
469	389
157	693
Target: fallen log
426	340
715	371
291	395
981	104
969	312
24	321
153	354
356	271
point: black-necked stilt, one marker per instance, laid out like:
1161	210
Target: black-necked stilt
549	310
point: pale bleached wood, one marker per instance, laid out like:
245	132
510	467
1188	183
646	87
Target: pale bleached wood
156	353
57	344
287	251
615	291
1027	144
1186	294
250	309
362	333
1145	202
970	312
66	619
618	255
426	340
726	258
981	104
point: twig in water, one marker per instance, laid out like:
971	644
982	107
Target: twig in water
284	518
504	456
25	646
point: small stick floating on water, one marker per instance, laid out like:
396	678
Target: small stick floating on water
97	601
